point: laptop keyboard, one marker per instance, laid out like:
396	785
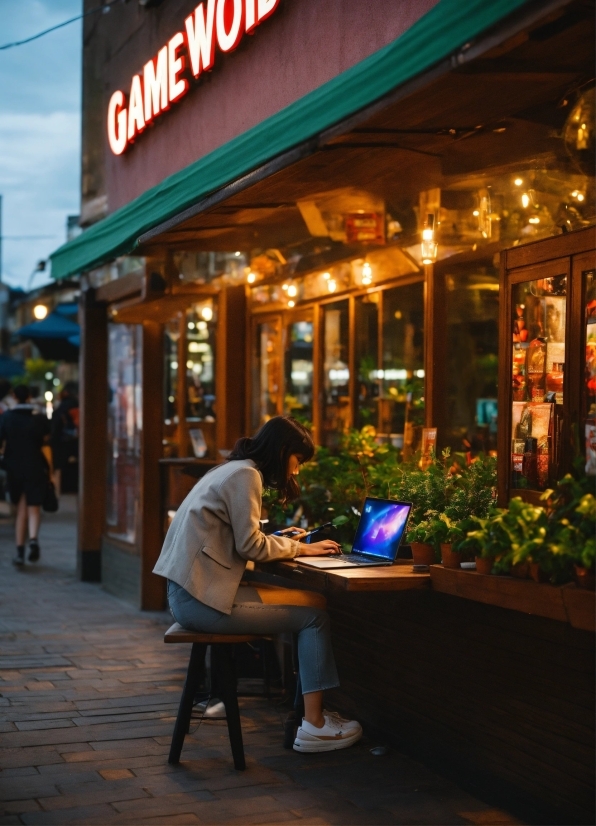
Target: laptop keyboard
355	560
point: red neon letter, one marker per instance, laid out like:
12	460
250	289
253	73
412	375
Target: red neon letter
136	118
250	20
228	40
199	35
117	123
266	8
177	86
155	85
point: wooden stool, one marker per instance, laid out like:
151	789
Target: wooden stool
223	676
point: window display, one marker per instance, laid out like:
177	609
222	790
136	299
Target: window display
125	425
299	370
367	360
336	372
266	377
538	373
589	389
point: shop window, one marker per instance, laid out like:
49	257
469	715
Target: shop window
336	372
298	370
367	358
266	377
402	373
199	362
125	425
472	310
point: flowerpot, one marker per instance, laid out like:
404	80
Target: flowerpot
422	553
536	572
521	570
451	559
585	577
484	565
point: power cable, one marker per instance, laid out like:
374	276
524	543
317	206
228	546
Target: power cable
103	9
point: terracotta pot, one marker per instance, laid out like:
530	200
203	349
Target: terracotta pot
450	558
521	570
585	577
484	565
422	553
537	573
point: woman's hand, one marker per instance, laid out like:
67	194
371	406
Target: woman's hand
292	533
323	548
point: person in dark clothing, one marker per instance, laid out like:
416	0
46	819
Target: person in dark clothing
65	431
23	431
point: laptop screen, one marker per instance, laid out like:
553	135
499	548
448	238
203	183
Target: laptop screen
381	527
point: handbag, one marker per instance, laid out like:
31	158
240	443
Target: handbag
50	500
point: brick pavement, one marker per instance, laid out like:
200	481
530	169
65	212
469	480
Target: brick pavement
88	694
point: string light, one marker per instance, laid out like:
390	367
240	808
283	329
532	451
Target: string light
366	274
207	313
326	276
518	181
40	311
291	303
292	290
331	285
525	199
251	278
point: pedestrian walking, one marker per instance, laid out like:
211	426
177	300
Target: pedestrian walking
23	431
65	432
216	531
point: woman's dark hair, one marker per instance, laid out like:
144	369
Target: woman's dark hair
22	393
270	449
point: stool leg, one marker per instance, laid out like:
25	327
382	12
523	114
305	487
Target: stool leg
193	676
224	675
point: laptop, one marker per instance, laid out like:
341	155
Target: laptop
379	534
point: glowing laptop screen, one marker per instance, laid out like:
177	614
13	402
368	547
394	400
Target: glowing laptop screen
381	527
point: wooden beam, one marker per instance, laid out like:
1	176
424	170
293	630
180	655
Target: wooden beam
230	367
435	332
93	405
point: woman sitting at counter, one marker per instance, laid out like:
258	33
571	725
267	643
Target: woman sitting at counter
216	530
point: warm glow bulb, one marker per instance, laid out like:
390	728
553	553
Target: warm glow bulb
251	278
518	182
476	213
48	395
285	287
326	276
332	285
366	274
292	290
580	196
525	199
427	234
40	311
207	313
534	219
291	303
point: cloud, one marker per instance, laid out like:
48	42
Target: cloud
40	93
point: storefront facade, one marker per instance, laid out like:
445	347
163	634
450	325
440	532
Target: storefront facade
306	216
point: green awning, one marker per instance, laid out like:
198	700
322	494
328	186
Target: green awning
445	29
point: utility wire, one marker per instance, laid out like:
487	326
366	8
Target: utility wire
102	9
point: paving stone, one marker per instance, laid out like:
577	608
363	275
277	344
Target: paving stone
90	695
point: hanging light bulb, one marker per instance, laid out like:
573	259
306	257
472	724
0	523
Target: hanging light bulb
291	303
207	313
326	276
518	181
525	199
366	274
429	246
251	278
332	285
285	287
292	290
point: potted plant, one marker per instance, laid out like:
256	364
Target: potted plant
420	539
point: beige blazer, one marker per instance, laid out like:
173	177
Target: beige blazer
215	531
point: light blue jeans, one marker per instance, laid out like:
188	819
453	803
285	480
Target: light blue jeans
251	616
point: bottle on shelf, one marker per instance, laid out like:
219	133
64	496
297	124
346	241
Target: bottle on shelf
536	369
519	373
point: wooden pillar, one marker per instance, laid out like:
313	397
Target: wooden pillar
435	331
152	586
93	405
230	368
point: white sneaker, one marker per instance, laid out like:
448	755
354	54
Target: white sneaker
335	734
347	725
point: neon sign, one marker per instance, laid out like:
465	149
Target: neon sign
164	81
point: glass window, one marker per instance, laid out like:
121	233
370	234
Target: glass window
266	377
200	364
472	339
299	370
367	360
402	372
537	370
336	372
125	425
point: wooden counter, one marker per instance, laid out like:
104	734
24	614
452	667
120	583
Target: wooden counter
398	577
565	603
